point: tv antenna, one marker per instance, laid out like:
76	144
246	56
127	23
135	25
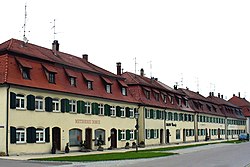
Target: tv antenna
54	28
182	80
25	39
135	64
197	83
150	66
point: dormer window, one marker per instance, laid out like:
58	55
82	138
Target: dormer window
164	98
146	92
50	73
90	85
108	85
24	68
72	81
156	94
171	99
89	81
108	88
123	87
72	77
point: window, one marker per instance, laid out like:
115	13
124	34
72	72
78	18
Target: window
147	111
180	117
88	107
175	117
179	101
164	97
156	96
55	105
170	116
147	94
178	134
124	91
123	135
101	109
75	137
186	103
131	112
99	137
25	73
20	101
113	111
20	135
90	85
72	106
40	135
39	103
154	114
72	81
123	113
131	134
148	133
171	99
155	133
52	77
108	88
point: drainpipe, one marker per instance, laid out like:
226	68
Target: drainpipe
7	122
138	127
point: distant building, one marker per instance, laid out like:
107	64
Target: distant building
245	105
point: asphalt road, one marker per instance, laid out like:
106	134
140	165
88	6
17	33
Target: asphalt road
216	155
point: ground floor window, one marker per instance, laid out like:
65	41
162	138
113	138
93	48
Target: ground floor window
40	135
75	137
20	135
99	137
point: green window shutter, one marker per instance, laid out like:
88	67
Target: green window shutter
135	135
107	110
119	134
63	105
48	104
118	111
67	105
12	100
47	136
158	114
151	133
31	135
163	115
79	109
127	112
146	133
95	109
157	133
151	113
12	134
135	111
31	102
127	134
83	108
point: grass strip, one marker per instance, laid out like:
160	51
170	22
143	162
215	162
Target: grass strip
109	156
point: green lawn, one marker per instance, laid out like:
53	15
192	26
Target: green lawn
109	156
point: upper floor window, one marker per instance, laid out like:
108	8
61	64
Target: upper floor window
164	98
39	103
171	99
156	96
123	135
20	135
131	112
72	106
101	109
124	91
123	113
113	111
108	88
88	107
154	114
147	93
52	77
24	67
20	101
55	105
147	111
185	103
72	81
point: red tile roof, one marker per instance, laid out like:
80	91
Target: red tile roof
243	103
63	65
138	84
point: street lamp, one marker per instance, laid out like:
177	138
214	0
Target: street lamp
137	132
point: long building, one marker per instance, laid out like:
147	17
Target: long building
51	99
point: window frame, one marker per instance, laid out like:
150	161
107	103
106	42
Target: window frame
108	88
131	112
41	133
101	109
123	134
20	102
124	91
20	133
123	111
72	106
88	108
90	85
72	81
132	134
39	103
55	105
113	111
51	77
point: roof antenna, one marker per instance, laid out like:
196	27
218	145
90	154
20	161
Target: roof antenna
25	39
150	66
182	80
54	27
197	83
135	64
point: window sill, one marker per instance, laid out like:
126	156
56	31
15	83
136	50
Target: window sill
40	142
21	143
112	116
100	114
21	109
56	111
39	110
71	112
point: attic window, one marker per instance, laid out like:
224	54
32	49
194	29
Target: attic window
171	98
89	81
156	94
178	98
146	92
24	68
72	76
108	84
50	73
123	86
164	98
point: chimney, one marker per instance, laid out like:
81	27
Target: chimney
239	94
85	57
233	94
219	95
210	93
119	71
142	72
55	46
222	96
175	87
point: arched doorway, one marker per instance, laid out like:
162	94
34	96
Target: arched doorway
56	137
88	138
113	138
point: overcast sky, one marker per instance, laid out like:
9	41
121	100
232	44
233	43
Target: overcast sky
202	45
